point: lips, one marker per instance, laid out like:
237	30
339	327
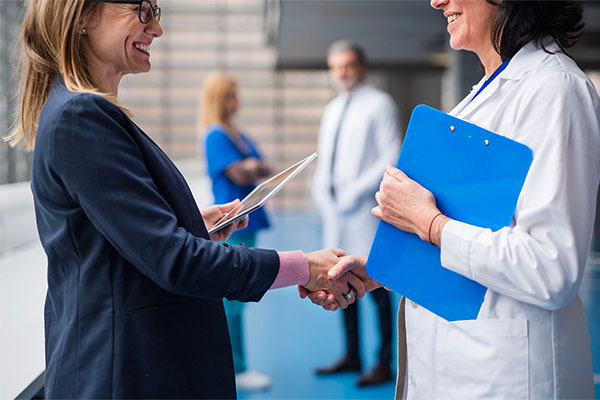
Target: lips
144	47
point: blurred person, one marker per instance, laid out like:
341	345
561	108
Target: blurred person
530	339
235	164
135	283
357	138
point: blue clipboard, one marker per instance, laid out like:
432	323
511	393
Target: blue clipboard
476	177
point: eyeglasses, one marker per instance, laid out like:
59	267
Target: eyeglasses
145	9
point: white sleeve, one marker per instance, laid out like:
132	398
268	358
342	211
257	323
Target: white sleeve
540	259
387	142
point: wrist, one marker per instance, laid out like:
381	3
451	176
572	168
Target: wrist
293	269
311	267
427	224
437	230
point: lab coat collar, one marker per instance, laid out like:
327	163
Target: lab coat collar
526	59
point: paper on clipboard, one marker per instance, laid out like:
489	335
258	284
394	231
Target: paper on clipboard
262	193
476	177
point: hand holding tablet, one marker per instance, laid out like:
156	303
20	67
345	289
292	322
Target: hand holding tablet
261	194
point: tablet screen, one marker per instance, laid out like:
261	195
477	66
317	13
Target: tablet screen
262	193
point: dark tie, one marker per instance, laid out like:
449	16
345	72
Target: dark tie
335	143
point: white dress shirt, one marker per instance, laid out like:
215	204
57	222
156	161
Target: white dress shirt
368	139
530	339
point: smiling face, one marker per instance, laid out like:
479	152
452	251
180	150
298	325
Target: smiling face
118	44
470	23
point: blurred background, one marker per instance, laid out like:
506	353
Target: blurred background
276	50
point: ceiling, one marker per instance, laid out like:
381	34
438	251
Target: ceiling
393	32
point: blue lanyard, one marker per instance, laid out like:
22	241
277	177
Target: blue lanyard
495	74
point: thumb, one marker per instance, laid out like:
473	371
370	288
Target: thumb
339	252
345	264
229	206
302	291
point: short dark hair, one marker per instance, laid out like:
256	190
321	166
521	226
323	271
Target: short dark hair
348	45
522	21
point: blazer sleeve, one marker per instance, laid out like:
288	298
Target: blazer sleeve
102	168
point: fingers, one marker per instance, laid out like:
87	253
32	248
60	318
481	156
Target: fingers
395	173
242	223
342	301
320	298
376	212
227	231
339	289
359	287
302	291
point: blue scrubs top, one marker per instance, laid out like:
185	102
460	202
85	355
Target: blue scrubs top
221	152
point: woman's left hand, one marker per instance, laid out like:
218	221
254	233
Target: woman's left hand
212	214
404	203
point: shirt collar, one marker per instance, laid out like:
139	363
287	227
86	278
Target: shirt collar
58	81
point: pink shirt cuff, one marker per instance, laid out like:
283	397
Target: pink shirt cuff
293	269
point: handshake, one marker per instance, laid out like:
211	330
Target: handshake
335	279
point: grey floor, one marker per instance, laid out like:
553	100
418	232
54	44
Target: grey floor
287	337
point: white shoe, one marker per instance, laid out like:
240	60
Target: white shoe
252	381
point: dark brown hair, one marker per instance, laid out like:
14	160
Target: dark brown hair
522	21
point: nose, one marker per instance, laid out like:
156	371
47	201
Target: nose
154	28
438	4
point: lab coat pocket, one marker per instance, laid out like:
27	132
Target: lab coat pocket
485	358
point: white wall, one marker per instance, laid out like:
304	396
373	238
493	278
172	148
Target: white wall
22	292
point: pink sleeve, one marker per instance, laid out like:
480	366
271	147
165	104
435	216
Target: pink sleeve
293	269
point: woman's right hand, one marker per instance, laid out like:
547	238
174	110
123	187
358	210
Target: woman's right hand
404	203
348	266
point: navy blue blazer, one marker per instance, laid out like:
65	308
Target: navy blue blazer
135	286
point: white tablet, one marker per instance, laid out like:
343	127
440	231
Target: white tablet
262	193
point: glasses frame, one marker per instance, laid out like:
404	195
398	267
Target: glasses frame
155	11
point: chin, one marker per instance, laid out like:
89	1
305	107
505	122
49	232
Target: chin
455	45
143	69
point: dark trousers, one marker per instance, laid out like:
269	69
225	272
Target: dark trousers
384	306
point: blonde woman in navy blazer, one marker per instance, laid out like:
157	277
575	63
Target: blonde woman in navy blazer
135	284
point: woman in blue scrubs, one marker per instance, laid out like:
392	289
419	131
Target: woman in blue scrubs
235	164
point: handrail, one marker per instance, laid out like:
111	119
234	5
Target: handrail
35	390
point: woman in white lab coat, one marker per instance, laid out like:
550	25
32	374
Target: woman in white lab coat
530	339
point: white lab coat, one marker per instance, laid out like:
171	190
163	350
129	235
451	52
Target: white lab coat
530	339
368	140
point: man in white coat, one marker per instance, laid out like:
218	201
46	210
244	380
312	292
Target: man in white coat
358	136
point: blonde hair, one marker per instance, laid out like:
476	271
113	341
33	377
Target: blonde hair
51	44
212	103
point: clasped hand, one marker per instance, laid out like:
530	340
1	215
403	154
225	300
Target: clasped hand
335	274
